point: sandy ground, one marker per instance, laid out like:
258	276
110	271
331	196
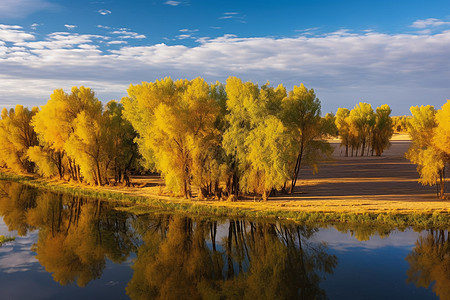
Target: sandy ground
366	184
386	184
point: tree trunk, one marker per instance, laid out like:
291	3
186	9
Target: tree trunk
363	146
265	196
297	168
99	178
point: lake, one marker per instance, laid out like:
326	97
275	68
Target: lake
68	247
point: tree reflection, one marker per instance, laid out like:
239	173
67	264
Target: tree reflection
253	260
75	235
15	200
429	262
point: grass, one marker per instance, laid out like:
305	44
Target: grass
5	239
341	211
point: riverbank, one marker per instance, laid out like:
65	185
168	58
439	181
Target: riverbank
347	189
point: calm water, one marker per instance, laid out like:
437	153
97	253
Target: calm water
69	248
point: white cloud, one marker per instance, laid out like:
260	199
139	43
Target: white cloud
184	36
14	34
124	33
173	3
22	8
188	30
103	27
70	27
34	26
431	22
117	43
232	16
104	12
343	67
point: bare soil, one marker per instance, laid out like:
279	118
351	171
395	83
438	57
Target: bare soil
388	183
369	184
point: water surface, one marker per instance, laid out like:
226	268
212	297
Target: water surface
68	247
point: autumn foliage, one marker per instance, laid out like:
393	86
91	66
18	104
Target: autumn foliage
205	140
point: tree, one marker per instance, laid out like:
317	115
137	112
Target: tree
343	127
382	130
255	139
363	119
175	122
301	116
430	160
119	141
441	137
54	124
16	136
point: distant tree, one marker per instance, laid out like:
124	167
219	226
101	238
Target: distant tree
382	130
343	127
363	119
400	124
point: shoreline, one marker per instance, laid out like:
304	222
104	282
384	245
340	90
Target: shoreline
347	190
358	213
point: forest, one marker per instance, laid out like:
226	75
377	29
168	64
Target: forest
206	140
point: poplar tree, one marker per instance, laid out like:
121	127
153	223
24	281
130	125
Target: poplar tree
343	127
382	130
430	160
301	116
363	119
16	136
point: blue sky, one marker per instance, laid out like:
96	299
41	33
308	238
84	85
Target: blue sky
394	52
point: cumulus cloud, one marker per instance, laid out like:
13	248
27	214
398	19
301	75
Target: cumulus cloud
431	22
13	33
342	66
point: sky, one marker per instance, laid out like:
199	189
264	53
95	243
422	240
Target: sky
384	51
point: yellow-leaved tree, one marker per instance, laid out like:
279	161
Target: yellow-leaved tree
362	119
382	130
424	150
54	125
343	127
256	139
301	115
16	136
177	134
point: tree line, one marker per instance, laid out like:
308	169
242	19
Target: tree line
364	130
210	139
